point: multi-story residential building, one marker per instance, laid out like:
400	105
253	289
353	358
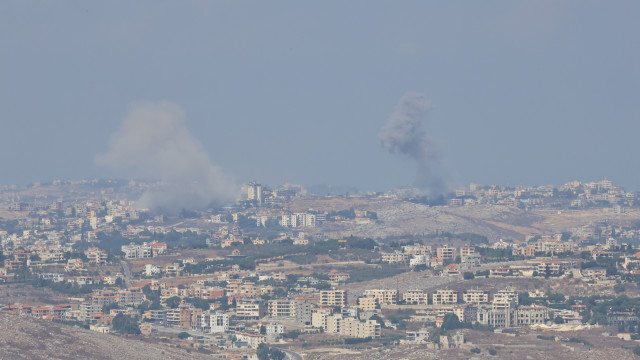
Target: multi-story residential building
281	308
596	273
159	315
470	260
416	337
253	340
476	296
415	297
550	268
417	250
395	257
419	260
87	309
467	313
351	327
298	220
333	298
72	265
512	317
104	297
505	298
131	296
501	270
184	316
319	318
250	309
384	296
96	256
333	323
354	328
274	329
554	246
293	309
133	251
336	276
55	277
212	322
368	303
151	269
446	252
157	248
467	250
241	289
445	297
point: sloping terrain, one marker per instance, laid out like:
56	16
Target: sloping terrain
401	218
23	337
526	347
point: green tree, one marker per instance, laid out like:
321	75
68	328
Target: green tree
377	318
173	302
106	309
467	275
265	352
183	335
524	299
420	267
450	322
125	324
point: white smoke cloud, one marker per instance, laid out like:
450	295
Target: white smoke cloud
154	142
403	133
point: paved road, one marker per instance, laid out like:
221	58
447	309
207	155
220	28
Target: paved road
127	273
291	355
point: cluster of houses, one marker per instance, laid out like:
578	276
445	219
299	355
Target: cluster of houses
578	194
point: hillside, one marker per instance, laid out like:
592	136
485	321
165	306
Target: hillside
28	338
401	218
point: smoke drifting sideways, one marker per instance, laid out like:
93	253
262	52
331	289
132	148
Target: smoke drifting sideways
403	133
153	142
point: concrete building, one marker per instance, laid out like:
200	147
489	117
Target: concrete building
212	322
133	251
333	298
354	328
250	309
368	303
290	309
445	297
384	296
415	297
506	317
476	296
446	252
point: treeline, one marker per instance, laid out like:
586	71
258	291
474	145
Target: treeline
64	287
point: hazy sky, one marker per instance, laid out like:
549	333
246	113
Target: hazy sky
521	92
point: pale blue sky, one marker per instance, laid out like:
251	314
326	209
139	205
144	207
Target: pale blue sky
523	92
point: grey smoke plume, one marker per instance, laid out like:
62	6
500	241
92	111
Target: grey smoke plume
154	142
403	133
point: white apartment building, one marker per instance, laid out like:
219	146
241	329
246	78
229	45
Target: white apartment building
212	322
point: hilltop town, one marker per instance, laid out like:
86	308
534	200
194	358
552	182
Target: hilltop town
286	272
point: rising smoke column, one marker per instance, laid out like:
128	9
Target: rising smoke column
403	133
154	142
